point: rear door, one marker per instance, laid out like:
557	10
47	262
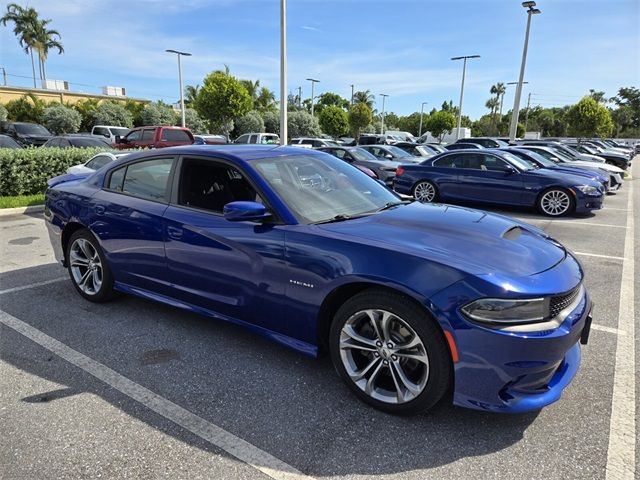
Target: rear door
170	137
128	221
488	178
233	268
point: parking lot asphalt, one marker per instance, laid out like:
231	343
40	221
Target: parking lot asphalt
135	389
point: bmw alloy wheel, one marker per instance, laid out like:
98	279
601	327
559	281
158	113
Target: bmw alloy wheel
555	202
424	192
384	356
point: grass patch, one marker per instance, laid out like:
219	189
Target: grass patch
22	200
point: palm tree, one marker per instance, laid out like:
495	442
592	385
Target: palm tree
43	41
252	88
190	93
492	104
24	21
365	97
265	101
499	90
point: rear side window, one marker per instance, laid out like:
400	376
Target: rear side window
253	139
147	135
450	161
98	162
146	179
172	135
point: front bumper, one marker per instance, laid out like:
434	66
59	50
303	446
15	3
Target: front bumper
587	203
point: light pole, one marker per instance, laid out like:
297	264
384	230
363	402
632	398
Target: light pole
300	98
313	83
180	54
283	72
464	72
531	10
352	94
421	113
384	96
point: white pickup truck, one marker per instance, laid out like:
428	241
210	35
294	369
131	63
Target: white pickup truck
109	132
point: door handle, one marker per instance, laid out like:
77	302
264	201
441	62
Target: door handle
175	233
100	209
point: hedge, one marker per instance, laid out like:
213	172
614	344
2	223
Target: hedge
25	171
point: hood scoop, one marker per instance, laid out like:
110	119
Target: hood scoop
512	233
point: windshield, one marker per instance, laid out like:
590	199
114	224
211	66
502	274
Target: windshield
563	156
423	151
119	131
519	162
88	142
319	188
539	158
31	129
398	152
362	154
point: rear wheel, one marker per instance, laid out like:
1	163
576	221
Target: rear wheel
425	191
556	202
390	353
88	267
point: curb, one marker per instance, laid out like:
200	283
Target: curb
6	212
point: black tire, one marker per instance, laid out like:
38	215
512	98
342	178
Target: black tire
566	202
90	289
439	370
425	191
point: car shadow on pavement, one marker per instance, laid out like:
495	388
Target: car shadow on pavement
289	405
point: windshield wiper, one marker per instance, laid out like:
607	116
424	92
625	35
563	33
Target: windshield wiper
389	205
338	218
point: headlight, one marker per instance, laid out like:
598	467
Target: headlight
588	189
499	311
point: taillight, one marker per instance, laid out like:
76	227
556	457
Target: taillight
399	171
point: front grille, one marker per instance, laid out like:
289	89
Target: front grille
560	302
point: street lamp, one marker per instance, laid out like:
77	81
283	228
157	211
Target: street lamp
531	10
313	82
283	73
180	54
384	96
464	71
352	94
421	112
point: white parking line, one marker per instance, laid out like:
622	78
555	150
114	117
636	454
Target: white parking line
621	457
241	449
602	328
611	257
578	223
32	285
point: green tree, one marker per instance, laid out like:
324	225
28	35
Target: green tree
265	101
86	108
411	123
622	118
499	89
60	119
27	108
360	116
629	97
253	89
271	122
493	104
302	124
365	97
190	94
588	118
44	40
193	121
330	99
597	96
334	121
24	21
440	123
112	113
251	122
135	109
221	99
3	114
158	113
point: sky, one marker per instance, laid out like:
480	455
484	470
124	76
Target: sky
401	48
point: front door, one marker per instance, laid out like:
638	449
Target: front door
488	178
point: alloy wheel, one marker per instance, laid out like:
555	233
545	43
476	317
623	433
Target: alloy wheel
85	266
384	356
424	192
555	202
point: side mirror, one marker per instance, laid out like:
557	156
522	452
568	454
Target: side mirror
119	139
106	135
509	170
242	211
388	156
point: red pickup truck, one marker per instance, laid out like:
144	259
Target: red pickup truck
155	137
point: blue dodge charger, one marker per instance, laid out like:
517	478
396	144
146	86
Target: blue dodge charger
411	300
499	177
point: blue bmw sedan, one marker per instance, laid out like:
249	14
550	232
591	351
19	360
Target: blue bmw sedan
411	300
499	177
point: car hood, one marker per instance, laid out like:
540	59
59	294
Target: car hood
561	175
470	240
601	166
581	171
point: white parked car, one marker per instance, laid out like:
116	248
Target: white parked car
109	132
259	138
309	142
96	162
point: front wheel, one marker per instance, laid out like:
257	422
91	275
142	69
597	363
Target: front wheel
425	191
390	353
88	267
556	202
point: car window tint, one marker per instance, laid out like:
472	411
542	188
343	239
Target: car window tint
148	179
134	136
473	161
147	135
211	185
253	139
115	181
451	161
101	131
242	139
173	135
98	162
339	153
491	163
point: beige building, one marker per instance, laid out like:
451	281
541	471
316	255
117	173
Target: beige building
63	96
